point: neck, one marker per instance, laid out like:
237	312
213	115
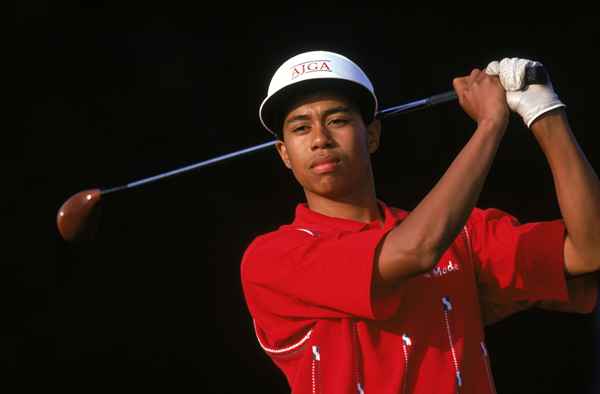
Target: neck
359	208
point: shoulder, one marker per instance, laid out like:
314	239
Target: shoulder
273	246
483	216
282	238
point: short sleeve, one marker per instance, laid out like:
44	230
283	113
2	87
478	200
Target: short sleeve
296	274
522	265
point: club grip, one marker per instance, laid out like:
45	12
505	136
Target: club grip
536	75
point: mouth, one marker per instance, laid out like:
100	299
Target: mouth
325	165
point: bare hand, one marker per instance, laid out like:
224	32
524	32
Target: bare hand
482	97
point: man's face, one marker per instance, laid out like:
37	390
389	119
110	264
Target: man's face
327	146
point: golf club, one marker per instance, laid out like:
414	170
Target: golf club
79	213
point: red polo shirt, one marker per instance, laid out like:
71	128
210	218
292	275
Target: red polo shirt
308	289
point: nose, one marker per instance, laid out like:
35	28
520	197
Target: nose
321	137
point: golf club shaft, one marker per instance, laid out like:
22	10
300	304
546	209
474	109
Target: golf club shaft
417	104
191	167
386	113
533	75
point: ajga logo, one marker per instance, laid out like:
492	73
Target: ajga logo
309	67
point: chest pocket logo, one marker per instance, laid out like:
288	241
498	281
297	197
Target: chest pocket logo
443	269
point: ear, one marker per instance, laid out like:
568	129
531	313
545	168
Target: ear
373	135
282	150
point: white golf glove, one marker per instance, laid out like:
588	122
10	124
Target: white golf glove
529	101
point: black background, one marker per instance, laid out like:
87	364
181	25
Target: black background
117	92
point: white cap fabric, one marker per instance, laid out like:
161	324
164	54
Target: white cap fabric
310	71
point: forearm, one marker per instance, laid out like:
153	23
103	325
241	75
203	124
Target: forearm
577	190
418	242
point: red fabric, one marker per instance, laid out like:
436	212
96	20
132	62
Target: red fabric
507	255
308	289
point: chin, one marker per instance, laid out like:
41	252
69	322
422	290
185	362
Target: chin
332	190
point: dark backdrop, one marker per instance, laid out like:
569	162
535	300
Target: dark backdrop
116	92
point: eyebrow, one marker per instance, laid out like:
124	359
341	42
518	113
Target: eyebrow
328	112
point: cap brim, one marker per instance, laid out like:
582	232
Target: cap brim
274	108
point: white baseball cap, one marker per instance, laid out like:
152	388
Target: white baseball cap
311	71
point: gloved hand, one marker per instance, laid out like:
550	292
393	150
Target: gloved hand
528	101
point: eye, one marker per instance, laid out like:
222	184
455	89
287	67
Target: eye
300	129
339	122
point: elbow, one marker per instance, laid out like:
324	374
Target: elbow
404	264
398	258
425	254
428	259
